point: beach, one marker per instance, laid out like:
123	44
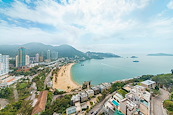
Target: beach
63	81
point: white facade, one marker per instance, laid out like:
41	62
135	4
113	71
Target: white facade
4	64
17	60
27	60
37	57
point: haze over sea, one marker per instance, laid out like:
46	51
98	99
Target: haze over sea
112	69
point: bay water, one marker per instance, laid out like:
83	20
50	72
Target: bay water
112	69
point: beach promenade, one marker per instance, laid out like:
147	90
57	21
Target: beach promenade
63	80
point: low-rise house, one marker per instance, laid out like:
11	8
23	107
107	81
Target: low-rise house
112	106
83	96
127	87
141	98
107	85
96	90
84	106
90	92
149	84
102	87
127	107
41	103
108	108
118	97
76	98
71	110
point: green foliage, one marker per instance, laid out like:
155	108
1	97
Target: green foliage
140	79
155	92
122	92
55	71
31	72
116	86
58	106
23	89
171	96
39	80
49	99
57	92
91	103
156	88
168	104
20	107
13	108
165	80
6	92
26	108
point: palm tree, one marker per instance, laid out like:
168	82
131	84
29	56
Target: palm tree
68	87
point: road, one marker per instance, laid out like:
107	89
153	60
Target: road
3	103
48	79
99	106
157	103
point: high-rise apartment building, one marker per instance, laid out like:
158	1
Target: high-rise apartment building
48	55
27	60
22	59
37	57
4	64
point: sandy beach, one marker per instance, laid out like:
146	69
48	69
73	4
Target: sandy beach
63	80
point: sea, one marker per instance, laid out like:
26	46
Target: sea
112	69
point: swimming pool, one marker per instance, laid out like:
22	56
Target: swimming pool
115	103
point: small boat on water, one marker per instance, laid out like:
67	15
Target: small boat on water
82	64
136	61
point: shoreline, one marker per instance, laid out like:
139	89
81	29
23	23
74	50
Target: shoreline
71	76
63	81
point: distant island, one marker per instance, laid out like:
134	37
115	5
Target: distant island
134	57
160	54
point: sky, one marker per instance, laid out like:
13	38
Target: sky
117	26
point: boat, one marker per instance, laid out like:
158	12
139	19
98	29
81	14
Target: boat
82	64
136	61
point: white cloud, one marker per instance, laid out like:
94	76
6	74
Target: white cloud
170	4
95	15
100	20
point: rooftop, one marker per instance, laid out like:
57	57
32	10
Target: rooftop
83	94
95	88
148	82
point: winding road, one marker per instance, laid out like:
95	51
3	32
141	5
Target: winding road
157	103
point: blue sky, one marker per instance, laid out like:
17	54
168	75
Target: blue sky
117	26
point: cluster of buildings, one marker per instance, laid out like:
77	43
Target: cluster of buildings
136	102
6	81
23	60
80	100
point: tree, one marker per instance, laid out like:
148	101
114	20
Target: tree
68	87
156	88
6	93
171	96
26	108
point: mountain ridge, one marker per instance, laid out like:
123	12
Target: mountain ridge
64	50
